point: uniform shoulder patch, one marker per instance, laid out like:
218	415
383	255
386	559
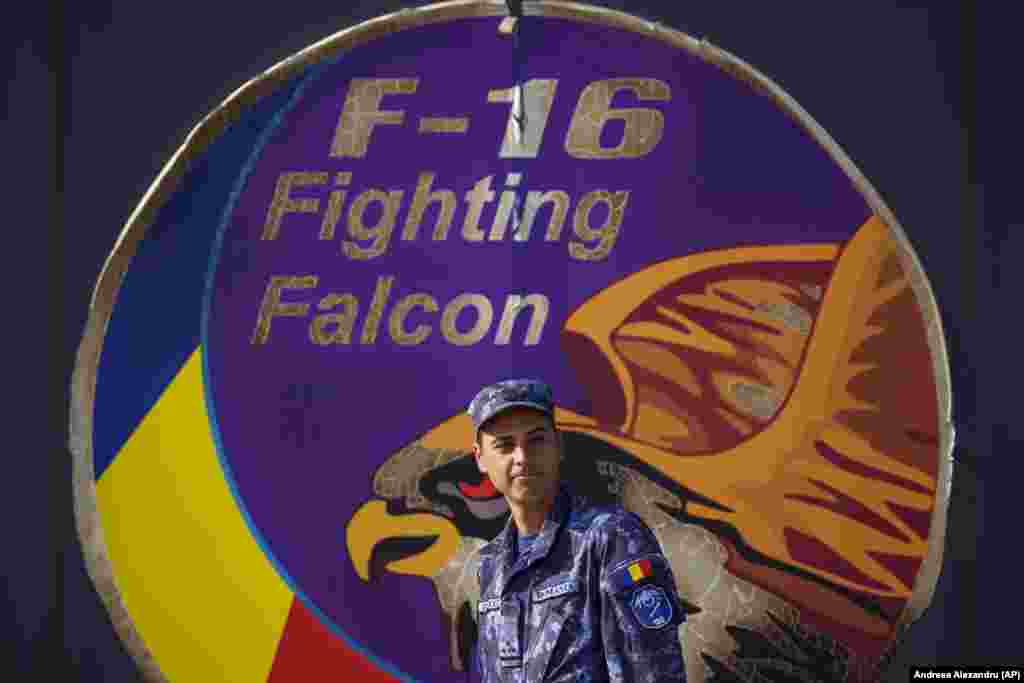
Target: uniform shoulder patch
651	606
634	572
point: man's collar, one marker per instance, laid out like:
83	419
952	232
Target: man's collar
553	521
508	562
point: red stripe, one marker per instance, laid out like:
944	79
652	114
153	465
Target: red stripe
645	566
308	651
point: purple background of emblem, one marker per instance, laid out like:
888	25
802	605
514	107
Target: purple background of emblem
731	169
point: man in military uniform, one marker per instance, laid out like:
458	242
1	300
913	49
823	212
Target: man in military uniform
569	591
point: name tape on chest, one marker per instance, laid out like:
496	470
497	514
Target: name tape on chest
489	605
555	590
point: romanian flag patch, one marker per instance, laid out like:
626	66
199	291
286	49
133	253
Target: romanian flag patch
638	571
632	573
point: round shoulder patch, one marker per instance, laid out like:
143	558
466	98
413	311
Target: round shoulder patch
651	606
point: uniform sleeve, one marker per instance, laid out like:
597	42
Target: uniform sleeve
640	609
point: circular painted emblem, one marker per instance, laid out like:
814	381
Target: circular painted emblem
651	606
269	428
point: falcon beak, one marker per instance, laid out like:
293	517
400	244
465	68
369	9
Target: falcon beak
417	544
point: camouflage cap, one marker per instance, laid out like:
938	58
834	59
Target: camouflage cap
495	398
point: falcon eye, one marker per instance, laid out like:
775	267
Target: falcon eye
485	489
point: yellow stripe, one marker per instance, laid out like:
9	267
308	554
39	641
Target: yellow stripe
203	596
636	572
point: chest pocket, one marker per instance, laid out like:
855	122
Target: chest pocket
554	623
500	639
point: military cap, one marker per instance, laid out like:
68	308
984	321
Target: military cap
495	398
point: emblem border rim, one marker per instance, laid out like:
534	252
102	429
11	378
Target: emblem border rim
212	125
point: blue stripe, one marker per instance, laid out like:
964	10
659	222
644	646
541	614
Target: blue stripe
211	408
155	325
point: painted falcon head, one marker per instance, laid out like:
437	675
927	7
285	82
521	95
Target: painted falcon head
772	414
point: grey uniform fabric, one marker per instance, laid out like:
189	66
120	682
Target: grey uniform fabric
570	610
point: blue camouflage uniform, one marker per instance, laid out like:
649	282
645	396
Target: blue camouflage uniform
593	599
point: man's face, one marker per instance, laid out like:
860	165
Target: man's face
519	450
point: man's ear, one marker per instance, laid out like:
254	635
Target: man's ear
476	456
